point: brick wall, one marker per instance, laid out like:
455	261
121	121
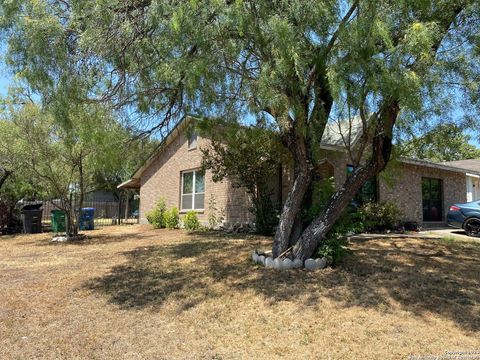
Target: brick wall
163	179
403	185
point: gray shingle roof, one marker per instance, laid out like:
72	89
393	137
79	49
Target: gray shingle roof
343	132
471	165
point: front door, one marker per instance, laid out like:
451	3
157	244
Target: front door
432	199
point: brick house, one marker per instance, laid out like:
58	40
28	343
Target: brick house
472	167
422	190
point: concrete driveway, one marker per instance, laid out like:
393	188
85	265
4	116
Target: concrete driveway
450	232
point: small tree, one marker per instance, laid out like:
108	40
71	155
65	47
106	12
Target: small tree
250	157
215	215
61	158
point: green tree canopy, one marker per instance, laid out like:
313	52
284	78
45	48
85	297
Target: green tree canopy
447	142
297	63
61	160
249	156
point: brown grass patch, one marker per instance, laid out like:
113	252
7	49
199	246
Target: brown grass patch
131	292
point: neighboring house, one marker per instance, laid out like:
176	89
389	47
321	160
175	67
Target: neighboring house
472	168
101	195
422	190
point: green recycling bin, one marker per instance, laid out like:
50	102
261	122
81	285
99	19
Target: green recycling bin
58	221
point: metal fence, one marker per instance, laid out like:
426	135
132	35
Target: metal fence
106	212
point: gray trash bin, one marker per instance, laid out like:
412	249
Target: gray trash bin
32	218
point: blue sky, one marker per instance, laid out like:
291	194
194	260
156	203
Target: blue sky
6	79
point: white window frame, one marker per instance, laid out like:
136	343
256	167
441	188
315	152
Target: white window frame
193	190
192	141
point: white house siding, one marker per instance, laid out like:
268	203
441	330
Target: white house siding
473	187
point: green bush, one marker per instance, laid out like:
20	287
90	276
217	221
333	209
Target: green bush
156	216
333	248
266	215
171	218
379	216
322	193
215	216
190	221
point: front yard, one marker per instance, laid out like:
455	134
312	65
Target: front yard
129	292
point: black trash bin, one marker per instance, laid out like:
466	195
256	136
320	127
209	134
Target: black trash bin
32	218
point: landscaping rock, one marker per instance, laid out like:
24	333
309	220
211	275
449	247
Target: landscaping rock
311	264
297	264
322	263
287	264
261	259
269	262
277	264
59	239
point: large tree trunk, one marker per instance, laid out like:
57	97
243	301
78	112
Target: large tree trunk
290	212
292	206
317	231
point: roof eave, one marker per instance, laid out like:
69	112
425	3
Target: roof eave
165	142
130	184
436	166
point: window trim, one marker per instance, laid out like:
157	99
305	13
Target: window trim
193	193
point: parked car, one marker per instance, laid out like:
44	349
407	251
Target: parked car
465	216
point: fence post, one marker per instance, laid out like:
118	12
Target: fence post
119	217
126	204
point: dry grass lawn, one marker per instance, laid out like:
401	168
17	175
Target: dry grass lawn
133	293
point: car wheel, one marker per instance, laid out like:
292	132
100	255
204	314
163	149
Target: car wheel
472	227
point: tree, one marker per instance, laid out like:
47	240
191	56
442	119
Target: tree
134	153
251	156
446	142
296	63
59	159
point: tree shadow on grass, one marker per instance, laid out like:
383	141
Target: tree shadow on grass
420	276
106	238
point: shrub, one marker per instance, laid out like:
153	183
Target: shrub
322	193
266	215
190	221
333	248
215	217
156	216
171	218
334	245
379	216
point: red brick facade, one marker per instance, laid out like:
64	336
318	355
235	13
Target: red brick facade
162	178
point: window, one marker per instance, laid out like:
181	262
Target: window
193	190
192	141
369	191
